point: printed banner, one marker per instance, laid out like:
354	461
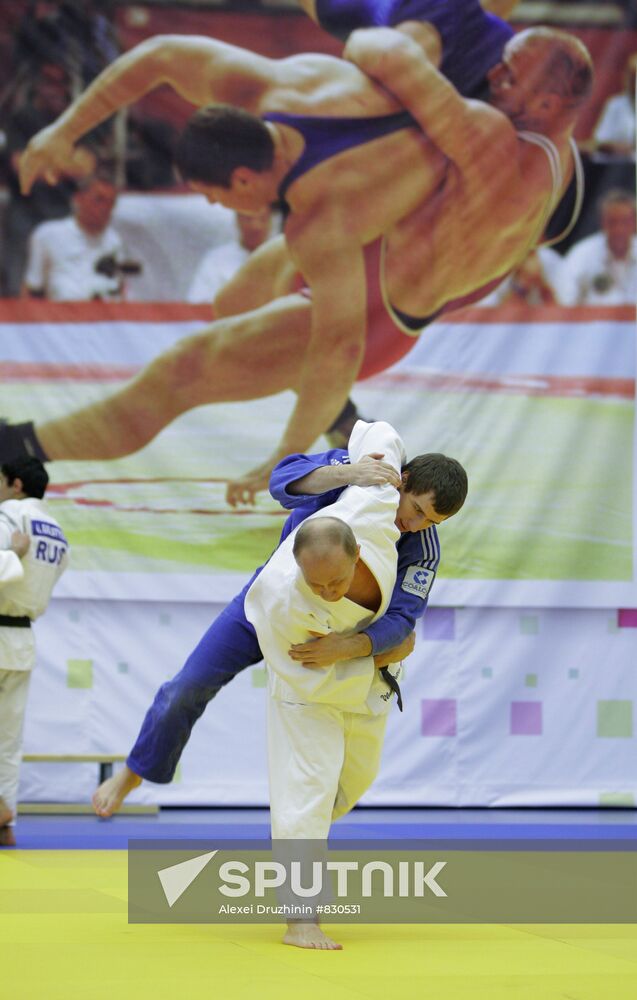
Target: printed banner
540	411
503	707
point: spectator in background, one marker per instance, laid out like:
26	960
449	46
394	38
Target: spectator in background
533	283
48	95
74	34
222	263
602	269
78	258
615	130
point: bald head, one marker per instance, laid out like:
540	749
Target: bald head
566	68
323	533
326	552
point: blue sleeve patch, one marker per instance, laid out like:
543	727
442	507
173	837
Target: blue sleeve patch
417	581
45	529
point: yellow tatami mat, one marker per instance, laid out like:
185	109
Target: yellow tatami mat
64	936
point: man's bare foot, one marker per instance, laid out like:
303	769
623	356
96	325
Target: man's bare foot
111	793
5	813
7	836
309	936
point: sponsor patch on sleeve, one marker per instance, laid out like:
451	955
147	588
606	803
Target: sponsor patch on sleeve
417	581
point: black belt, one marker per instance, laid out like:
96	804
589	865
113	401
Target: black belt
394	685
11	621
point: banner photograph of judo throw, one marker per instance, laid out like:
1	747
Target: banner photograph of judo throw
381	882
540	407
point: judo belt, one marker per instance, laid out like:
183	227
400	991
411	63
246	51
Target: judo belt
394	685
11	621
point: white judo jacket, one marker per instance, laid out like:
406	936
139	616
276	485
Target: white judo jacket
26	584
284	610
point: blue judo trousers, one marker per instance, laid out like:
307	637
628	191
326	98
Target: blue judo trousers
229	646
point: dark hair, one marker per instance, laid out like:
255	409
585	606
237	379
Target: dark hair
103	174
616	196
218	139
440	475
325	532
34	476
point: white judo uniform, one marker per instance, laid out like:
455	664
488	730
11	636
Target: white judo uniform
25	589
326	726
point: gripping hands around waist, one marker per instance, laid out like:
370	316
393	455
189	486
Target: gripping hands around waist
397	653
323	651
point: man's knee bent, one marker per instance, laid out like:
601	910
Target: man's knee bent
174	377
348	797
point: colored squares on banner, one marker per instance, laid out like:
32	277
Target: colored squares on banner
259	677
439	625
627	618
625	799
438	717
526	718
529	624
79	673
615	719
530	681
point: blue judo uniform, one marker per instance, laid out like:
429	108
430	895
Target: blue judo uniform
230	644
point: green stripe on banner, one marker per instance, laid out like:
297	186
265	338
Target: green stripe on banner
626	799
232	552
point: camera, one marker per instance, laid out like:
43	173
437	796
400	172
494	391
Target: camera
110	267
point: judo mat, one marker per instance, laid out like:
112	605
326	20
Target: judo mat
65	935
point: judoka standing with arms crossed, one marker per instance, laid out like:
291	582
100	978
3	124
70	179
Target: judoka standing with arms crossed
326	725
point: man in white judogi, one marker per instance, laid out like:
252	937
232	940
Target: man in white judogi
326	726
27	529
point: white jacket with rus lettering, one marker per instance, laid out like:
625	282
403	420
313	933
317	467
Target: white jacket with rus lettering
26	584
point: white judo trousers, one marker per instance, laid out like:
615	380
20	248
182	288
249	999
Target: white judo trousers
14	690
326	726
321	761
